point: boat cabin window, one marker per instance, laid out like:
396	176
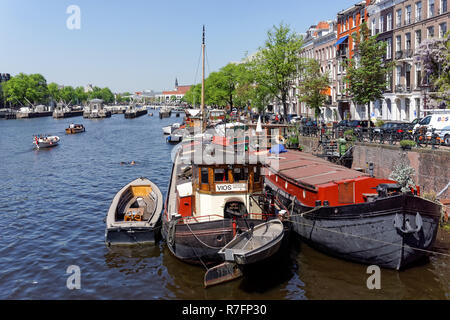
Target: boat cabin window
234	209
220	175
240	174
257	171
204	178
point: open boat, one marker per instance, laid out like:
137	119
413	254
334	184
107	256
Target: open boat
44	141
255	245
75	128
135	214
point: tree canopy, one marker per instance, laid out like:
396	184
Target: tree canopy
367	71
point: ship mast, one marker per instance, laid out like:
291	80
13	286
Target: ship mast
203	79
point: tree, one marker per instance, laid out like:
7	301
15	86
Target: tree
68	95
367	76
54	92
25	89
277	64
81	96
434	55
313	86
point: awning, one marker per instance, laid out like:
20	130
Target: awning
340	40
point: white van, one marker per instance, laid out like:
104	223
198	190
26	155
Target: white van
437	121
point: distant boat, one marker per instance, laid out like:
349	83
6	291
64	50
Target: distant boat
165	112
135	214
75	128
170	129
135	111
44	141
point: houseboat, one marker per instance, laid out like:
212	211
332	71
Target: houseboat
211	199
134	111
165	112
351	215
61	111
96	110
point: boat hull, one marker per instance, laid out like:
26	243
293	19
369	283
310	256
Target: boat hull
131	236
366	233
136	114
200	242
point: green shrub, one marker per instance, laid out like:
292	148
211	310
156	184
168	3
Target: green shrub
407	143
379	123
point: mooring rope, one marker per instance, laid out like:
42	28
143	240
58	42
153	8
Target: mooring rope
366	238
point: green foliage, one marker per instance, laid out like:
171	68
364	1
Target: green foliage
313	86
407	143
367	77
379	123
277	64
403	174
26	89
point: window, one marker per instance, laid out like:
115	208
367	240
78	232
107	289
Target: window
442	29
443	8
418	38
389	48
398	43
430	31
373	27
220	175
398	75
240	174
408	41
408	15
354	20
389	22
430	8
419	11
204	176
398	18
381	24
418	75
257	171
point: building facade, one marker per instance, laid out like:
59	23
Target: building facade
348	26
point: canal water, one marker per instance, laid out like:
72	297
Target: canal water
53	205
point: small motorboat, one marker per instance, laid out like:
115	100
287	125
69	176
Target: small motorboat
75	128
134	216
171	128
44	141
249	248
255	245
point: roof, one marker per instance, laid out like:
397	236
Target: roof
180	90
309	170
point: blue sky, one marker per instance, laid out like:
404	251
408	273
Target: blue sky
134	45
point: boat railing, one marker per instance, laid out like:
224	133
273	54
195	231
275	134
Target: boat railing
215	217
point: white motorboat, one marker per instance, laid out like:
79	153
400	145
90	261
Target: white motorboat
44	141
171	128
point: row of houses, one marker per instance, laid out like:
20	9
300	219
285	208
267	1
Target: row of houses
403	25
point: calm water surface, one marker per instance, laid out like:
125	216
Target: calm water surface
53	203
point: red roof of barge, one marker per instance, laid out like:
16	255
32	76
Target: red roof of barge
309	170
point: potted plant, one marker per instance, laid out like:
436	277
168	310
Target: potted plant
292	142
407	144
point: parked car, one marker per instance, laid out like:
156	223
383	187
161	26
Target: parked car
444	135
295	119
360	125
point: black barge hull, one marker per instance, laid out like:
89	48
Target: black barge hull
394	232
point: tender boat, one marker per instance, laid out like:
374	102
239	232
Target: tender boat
255	245
246	252
75	128
134	216
44	141
351	215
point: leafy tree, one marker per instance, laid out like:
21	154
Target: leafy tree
68	95
313	86
434	55
54	92
366	77
25	89
277	64
81	96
